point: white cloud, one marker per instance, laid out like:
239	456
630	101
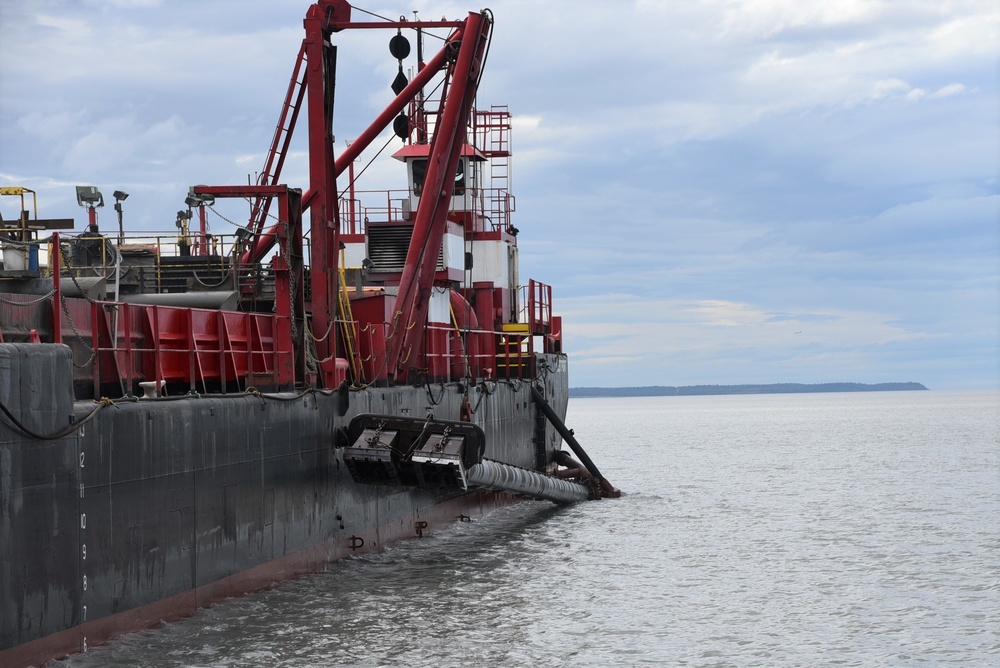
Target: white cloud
66	25
949	90
768	18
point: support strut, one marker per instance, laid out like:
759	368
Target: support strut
567	434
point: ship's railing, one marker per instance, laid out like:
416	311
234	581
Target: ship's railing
492	209
458	350
217	348
490	131
117	344
150	263
366	206
451	354
536	298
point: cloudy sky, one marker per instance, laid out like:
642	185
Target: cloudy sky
720	191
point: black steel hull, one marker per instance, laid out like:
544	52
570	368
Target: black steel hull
154	508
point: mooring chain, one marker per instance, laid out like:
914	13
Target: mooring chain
376	439
250	202
69	319
445	435
32	302
292	286
231	222
72	277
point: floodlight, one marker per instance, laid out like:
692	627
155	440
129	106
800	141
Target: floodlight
202	200
89	196
120	196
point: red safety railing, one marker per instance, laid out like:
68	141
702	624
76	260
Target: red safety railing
211	350
492	209
538	306
451	354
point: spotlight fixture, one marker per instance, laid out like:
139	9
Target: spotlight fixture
198	199
120	196
89	196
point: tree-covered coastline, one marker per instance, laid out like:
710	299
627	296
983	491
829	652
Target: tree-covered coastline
773	388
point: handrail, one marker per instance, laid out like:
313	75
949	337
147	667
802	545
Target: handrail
116	342
492	209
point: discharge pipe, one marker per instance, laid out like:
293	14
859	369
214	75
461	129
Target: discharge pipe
567	434
505	478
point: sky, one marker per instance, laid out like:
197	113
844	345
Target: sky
719	191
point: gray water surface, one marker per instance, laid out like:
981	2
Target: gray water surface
856	529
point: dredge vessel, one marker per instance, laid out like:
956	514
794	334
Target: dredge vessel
195	416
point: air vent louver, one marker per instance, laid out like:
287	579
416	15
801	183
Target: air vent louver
387	246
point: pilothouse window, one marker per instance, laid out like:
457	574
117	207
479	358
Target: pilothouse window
460	178
420	172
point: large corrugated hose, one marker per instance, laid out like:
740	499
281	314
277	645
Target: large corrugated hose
495	475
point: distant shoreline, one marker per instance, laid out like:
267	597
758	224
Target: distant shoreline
774	388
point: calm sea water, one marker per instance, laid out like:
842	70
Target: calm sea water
770	530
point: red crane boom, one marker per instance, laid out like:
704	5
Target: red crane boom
314	77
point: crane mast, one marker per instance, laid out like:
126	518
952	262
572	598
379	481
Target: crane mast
314	78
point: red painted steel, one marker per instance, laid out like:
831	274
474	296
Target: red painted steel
265	240
199	345
553	340
539	307
413	299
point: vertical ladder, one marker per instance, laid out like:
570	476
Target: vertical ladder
493	138
275	159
